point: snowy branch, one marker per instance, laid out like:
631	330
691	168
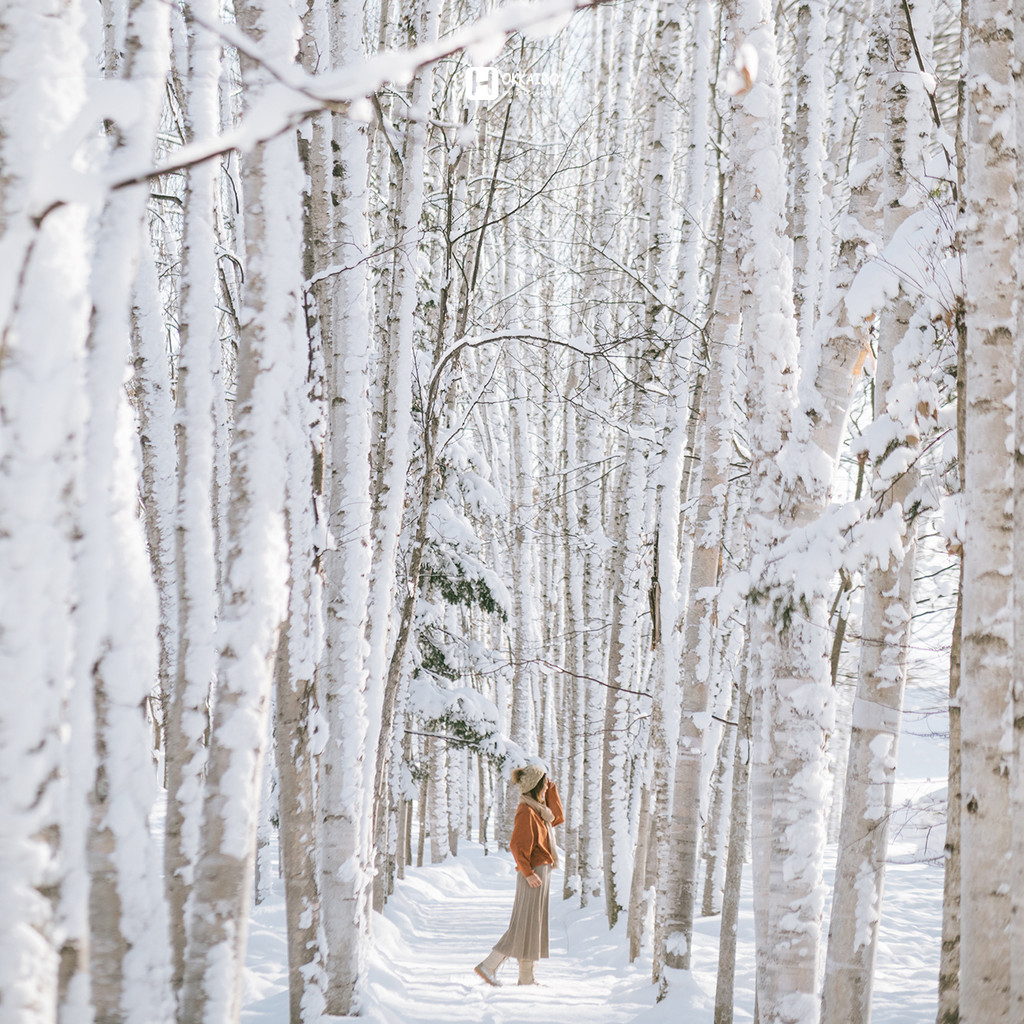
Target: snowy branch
298	96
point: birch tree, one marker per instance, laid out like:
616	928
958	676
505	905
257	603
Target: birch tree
41	379
115	619
392	425
886	618
256	570
698	643
790	686
338	213
985	903
186	713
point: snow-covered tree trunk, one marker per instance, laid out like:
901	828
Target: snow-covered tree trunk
791	685
673	545
949	953
154	412
256	572
867	803
186	715
574	706
989	268
115	618
629	506
340	241
680	878
1016	938
524	731
887	611
809	211
736	855
949	960
42	863
665	79
456	797
298	838
627	525
437	812
716	831
392	448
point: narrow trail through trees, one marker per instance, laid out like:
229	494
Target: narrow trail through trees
442	921
443	918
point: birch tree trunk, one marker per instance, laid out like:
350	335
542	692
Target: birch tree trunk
42	864
1016	939
628	522
298	652
154	412
735	857
392	450
524	730
116	613
340	283
985	905
666	79
574	705
792	681
716	831
680	880
187	715
299	842
949	961
886	617
256	572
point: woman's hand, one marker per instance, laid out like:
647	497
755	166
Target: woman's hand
533	881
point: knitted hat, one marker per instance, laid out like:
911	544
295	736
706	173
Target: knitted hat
528	776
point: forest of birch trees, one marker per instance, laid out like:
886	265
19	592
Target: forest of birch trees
396	391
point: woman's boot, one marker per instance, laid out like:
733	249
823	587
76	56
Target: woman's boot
488	968
526	972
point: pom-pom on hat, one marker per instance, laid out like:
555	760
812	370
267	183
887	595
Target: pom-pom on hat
528	776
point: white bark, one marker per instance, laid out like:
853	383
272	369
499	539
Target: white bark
680	879
1016	937
985	905
299	841
256	572
887	612
348	677
392	451
187	715
791	685
526	645
627	526
738	828
716	830
115	617
154	410
42	869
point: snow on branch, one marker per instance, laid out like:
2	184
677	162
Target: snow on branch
801	564
294	96
467	718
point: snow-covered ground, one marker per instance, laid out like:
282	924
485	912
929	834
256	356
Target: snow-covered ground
444	918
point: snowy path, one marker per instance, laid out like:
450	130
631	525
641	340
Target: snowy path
443	919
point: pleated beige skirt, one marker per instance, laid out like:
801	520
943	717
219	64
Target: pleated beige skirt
527	935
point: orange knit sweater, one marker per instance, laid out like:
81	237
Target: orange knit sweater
529	843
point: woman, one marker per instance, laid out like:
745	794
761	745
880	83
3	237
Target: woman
533	846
